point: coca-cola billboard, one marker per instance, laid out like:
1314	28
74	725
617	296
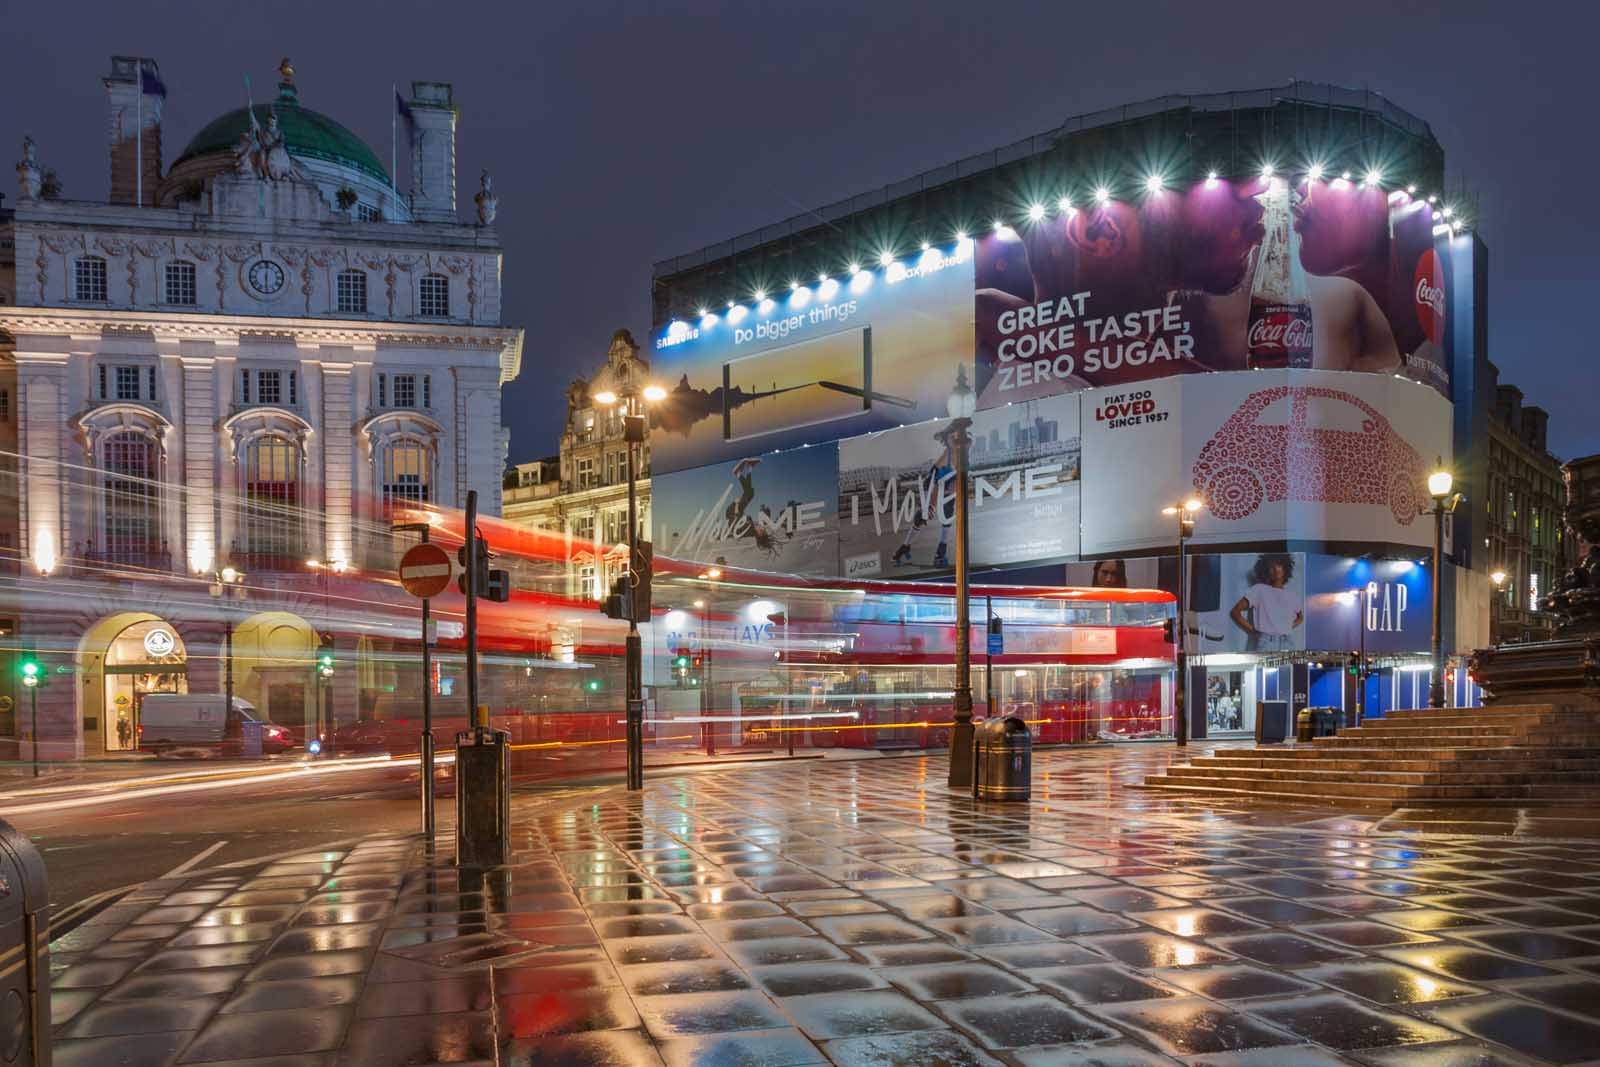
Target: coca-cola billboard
1267	273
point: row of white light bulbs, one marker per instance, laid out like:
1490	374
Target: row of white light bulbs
861	278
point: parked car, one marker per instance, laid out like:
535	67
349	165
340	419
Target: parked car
1313	444
169	721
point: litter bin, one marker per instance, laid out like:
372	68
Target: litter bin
1272	721
483	797
250	739
1303	729
24	932
1325	721
1003	760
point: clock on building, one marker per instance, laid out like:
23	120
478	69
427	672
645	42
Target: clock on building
265	276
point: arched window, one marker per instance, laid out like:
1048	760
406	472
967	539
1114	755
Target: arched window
272	497
180	283
407	472
130	462
351	287
434	296
89	279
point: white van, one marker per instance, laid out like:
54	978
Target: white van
196	720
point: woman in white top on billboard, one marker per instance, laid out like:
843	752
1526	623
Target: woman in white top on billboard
1270	612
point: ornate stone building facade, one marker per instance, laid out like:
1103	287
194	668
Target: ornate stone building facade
588	498
1526	538
238	362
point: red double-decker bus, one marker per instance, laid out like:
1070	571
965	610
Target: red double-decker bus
751	661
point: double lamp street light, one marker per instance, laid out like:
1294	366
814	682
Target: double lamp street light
633	403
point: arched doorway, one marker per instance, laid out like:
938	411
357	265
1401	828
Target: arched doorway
274	667
125	658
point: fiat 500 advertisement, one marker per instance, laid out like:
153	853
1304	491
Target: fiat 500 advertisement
1272	455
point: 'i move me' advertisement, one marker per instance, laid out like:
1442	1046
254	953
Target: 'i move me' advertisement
897	492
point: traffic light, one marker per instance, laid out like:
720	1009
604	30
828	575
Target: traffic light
478	547
1354	666
697	666
497	586
680	670
489	584
325	657
31	670
615	604
592	685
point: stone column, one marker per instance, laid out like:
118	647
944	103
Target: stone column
433	161
42	414
476	436
197	420
335	429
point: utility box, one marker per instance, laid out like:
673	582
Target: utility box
483	797
24	952
1002	760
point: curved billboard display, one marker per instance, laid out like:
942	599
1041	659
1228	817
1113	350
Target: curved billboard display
814	362
1255	275
1274	455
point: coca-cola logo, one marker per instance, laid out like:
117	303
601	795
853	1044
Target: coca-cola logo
1284	330
1428	289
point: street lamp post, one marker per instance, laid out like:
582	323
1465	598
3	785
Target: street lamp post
1358	597
225	586
1444	502
633	433
958	439
1185	514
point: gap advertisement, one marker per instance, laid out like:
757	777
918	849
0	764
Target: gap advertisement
813	363
776	512
1257	275
1285	601
1273	455
897	492
1392	599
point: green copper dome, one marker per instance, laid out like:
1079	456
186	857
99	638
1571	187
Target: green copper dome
306	133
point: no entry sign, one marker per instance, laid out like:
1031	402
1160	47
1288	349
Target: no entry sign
425	570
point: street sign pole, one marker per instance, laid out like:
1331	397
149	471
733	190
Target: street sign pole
472	606
427	722
426	573
33	702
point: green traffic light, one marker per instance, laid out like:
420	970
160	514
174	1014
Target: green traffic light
592	685
30	669
681	661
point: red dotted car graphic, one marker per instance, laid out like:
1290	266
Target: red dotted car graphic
1308	443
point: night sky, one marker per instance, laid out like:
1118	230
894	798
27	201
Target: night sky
620	134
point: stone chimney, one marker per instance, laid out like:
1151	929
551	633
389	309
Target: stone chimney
433	152
135	95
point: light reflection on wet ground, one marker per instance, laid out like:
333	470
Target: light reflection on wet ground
858	913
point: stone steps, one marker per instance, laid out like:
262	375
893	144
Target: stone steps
1389	776
1287	794
1290	767
1387	753
1525	754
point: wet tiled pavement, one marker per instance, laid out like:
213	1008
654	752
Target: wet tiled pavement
857	913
